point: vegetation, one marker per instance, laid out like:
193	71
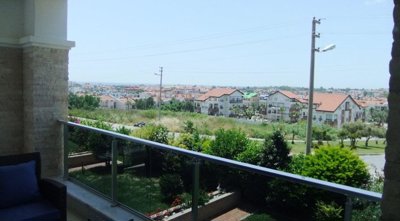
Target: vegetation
356	130
171	186
228	143
172	172
328	211
144	104
86	102
275	154
178	106
142	194
336	165
378	116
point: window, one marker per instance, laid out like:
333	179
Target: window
347	105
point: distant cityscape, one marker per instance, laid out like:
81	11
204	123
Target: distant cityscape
332	106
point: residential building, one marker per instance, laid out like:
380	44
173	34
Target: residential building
334	109
111	102
219	101
251	99
369	105
34	70
280	103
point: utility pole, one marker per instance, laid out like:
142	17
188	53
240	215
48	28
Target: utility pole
159	97
314	35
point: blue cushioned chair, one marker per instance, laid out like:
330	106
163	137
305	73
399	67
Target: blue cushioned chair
24	195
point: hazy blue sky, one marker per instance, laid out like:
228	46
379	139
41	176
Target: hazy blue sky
230	42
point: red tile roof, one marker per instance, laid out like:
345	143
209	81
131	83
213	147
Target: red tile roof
329	101
367	103
292	95
289	94
216	92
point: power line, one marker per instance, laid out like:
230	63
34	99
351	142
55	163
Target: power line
193	50
199	38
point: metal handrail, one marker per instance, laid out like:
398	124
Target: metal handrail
321	184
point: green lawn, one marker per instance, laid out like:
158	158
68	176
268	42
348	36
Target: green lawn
373	148
140	193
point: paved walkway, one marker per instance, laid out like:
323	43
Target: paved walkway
236	214
375	162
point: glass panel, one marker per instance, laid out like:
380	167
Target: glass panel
365	210
89	159
155	183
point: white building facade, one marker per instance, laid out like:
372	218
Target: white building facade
219	102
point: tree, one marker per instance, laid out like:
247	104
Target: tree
276	152
378	116
322	132
87	102
175	105
372	131
353	131
145	104
295	112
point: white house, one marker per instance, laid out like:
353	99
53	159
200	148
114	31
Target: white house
219	101
280	103
110	102
334	109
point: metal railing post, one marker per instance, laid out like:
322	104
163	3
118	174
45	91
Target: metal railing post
66	152
348	209
195	194
114	155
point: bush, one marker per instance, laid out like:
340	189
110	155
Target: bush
228	143
203	198
171	185
155	158
252	154
336	165
365	210
328	211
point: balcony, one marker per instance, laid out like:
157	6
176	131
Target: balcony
132	175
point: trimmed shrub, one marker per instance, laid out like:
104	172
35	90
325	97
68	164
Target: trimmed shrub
336	165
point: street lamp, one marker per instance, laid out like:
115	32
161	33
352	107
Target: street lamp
159	97
311	88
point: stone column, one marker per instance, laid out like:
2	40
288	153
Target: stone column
391	191
45	86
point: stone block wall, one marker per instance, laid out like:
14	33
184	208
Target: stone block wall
45	86
11	101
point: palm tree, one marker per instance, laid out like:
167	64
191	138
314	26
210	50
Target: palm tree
390	201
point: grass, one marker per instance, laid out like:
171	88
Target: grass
174	121
373	148
140	193
208	125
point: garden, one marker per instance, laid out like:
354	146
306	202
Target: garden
152	181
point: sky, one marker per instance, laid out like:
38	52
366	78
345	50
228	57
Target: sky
230	42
